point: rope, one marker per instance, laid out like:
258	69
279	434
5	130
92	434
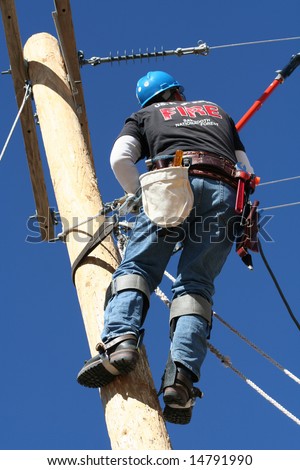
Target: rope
267	397
163	297
169	276
26	96
255	42
257	349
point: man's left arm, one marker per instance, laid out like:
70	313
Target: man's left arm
125	153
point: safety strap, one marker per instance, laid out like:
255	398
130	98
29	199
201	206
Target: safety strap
191	304
129	282
102	232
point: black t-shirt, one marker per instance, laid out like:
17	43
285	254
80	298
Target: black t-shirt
163	128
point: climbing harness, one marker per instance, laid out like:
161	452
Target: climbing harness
120	207
110	224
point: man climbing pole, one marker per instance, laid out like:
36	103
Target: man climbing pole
189	196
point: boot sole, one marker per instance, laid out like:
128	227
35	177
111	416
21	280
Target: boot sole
95	375
173	399
177	415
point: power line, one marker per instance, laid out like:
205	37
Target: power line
279	181
279	206
250	43
201	49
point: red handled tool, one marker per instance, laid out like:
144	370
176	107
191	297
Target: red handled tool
282	75
246	181
246	184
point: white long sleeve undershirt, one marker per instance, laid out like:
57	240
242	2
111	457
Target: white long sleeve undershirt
126	152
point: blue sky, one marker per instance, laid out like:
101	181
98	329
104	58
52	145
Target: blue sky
42	338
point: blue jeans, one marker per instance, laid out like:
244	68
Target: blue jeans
207	236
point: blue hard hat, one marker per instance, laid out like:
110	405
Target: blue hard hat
154	83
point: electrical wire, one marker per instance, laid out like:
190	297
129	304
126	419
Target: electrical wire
254	42
201	49
279	206
279	181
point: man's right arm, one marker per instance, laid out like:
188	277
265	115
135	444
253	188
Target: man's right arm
242	158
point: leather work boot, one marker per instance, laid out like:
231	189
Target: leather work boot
180	398
118	357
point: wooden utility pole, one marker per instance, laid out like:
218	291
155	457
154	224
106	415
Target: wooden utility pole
133	415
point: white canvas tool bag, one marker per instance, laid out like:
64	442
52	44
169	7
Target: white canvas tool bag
167	195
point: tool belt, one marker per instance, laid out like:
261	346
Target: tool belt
212	166
194	163
202	163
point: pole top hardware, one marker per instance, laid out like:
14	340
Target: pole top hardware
200	49
7	72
